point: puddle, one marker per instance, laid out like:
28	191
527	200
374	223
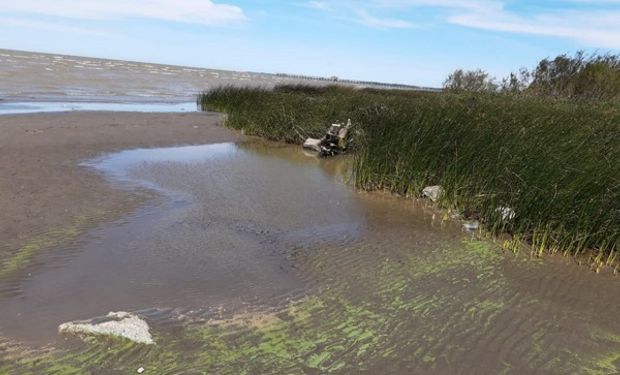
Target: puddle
275	264
125	166
11	108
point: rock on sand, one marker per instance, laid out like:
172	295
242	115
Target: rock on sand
433	192
121	324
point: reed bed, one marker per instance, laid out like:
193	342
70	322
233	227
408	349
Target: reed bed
556	164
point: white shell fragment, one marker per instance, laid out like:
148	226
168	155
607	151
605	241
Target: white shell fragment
121	324
433	192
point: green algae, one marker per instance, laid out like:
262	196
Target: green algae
603	365
25	255
609	361
399	319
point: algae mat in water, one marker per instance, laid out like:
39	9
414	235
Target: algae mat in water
452	310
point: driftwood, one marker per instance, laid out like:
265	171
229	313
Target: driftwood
335	141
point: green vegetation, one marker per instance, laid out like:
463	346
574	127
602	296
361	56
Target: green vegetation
556	163
470	81
590	77
582	76
25	255
425	310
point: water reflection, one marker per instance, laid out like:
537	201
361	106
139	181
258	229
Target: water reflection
39	107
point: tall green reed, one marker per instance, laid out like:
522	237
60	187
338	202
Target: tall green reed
555	163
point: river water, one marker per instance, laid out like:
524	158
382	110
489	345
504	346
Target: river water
260	259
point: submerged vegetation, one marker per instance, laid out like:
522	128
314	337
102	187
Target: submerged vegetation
556	163
425	312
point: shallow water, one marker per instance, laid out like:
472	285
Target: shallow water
261	259
224	219
10	108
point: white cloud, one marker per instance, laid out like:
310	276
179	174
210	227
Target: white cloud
320	5
47	26
596	24
204	12
596	2
596	29
382	23
473	5
351	12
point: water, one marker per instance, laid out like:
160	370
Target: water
36	76
223	219
10	108
264	260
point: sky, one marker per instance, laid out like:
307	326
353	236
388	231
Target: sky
415	42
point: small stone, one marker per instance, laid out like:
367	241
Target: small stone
433	192
471	226
140	370
313	144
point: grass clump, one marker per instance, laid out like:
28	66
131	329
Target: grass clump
555	163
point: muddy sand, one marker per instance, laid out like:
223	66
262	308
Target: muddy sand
44	191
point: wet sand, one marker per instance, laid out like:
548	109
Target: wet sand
46	198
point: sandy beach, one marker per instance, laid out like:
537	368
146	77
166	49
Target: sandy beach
42	186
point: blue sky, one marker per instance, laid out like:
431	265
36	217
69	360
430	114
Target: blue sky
406	41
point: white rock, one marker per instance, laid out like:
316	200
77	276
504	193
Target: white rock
433	192
471	226
140	370
506	212
121	324
313	144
